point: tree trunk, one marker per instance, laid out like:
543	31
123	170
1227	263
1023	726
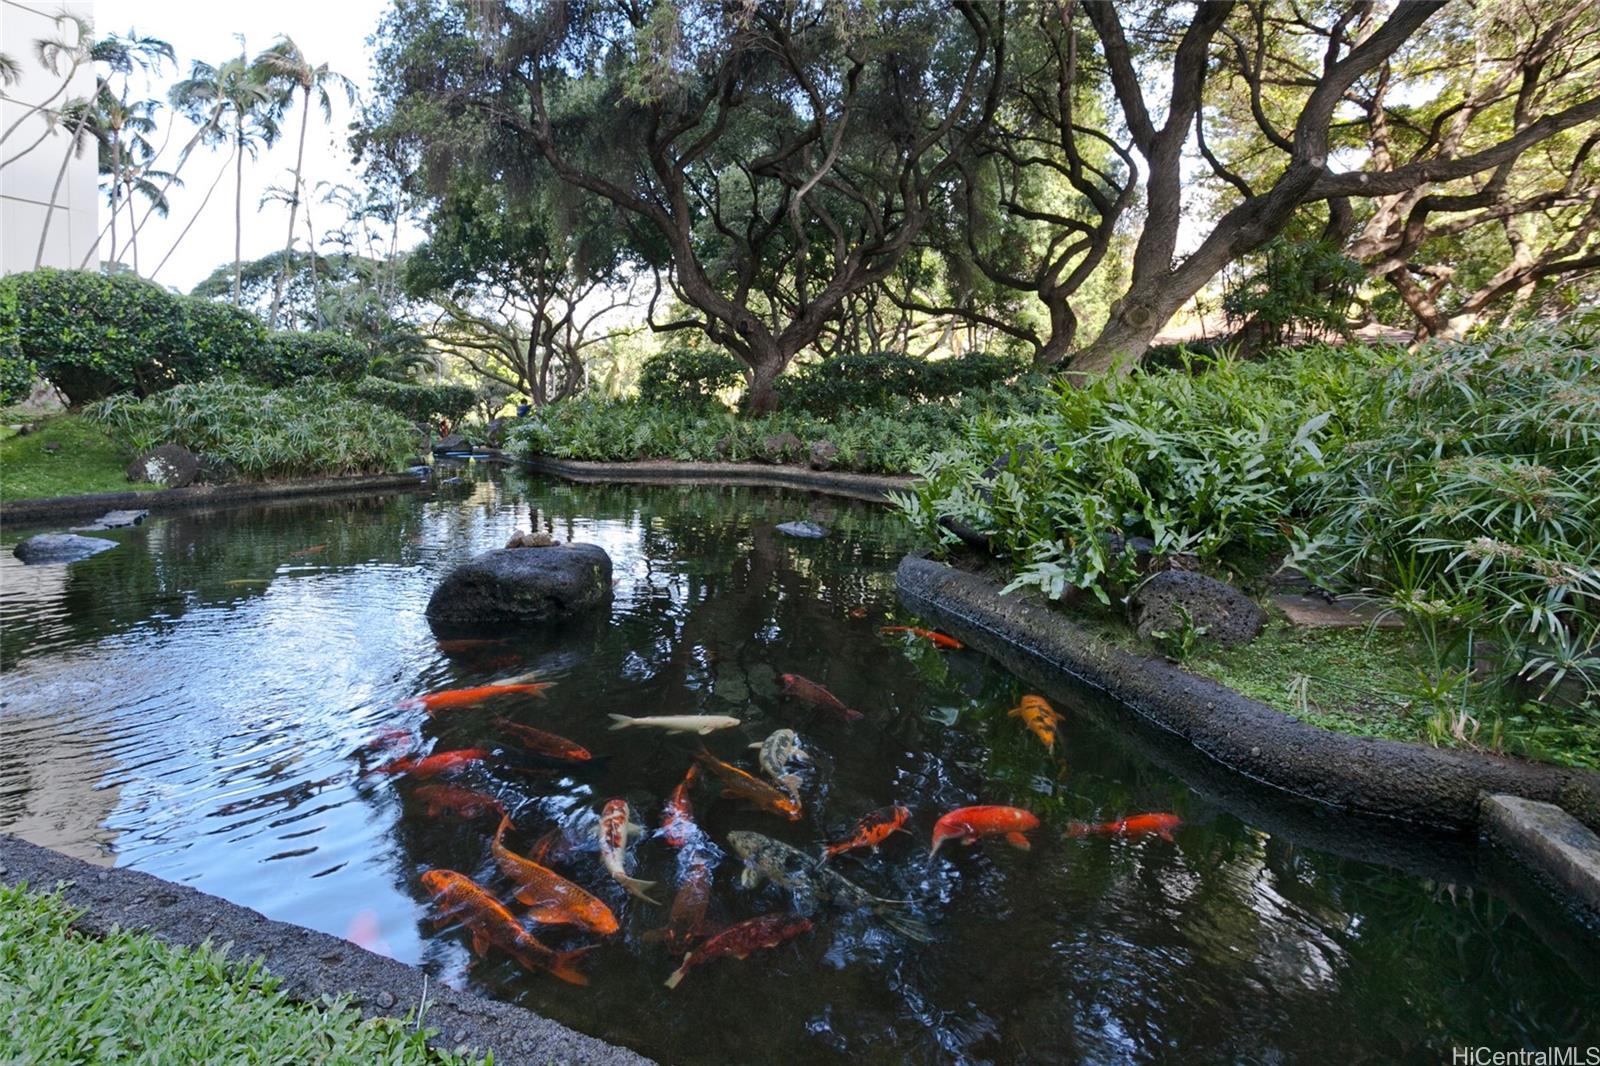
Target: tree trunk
1134	322
55	192
294	208
238	216
1063	330
766	364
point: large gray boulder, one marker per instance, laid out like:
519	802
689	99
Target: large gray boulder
524	585
170	466
1227	616
60	548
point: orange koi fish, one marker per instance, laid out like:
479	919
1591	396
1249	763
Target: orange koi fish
871	831
616	826
939	640
677	819
364	932
767	931
967	824
818	696
389	739
313	550
549	897
461	802
741	785
442	763
491	925
539	742
1042	719
1139	825
454	698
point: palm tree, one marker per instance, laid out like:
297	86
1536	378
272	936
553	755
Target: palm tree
232	101
75	49
286	66
80	119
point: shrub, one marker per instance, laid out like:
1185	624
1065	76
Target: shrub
884	379
92	335
309	429
417	402
1466	495
220	338
16	370
320	355
688	378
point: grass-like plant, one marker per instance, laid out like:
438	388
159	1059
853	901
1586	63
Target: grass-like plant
306	430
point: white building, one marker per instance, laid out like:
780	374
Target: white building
34	186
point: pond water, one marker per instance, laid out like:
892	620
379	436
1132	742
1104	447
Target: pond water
199	703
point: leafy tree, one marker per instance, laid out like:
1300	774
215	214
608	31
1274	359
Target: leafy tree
784	156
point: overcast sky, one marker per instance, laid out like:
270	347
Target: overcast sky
332	31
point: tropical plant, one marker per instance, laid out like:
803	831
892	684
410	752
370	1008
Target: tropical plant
285	68
257	433
424	404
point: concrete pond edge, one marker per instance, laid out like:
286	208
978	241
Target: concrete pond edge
310	964
44	509
874	488
1389	779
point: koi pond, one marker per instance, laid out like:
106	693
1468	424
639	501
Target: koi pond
208	703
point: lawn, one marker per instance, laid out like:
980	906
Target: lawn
128	997
87	460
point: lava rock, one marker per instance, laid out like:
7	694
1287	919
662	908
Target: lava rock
524	584
60	548
170	466
804	530
780	447
455	442
823	454
495	432
1228	616
113	520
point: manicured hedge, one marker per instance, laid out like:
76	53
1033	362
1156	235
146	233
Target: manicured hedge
419	403
688	378
322	356
881	379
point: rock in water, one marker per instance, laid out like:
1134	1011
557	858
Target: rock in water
524	585
780	447
455	442
113	520
823	454
60	548
170	466
1228	616
805	530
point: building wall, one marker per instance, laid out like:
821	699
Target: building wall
26	185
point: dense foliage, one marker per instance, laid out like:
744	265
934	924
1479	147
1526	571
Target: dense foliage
879	379
890	439
256	433
690	378
417	402
320	355
1459	486
130	997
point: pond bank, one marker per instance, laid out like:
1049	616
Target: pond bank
1383	778
158	500
310	964
870	487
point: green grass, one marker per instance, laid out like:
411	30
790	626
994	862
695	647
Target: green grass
89	460
127	997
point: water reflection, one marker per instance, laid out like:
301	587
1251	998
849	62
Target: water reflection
199	703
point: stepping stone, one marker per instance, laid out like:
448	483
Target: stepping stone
1345	612
803	530
113	520
60	548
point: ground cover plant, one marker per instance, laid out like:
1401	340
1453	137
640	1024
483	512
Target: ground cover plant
255	433
66	455
1456	487
127	997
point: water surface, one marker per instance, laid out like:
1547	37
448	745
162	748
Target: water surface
198	704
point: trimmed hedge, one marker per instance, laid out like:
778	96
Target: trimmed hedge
882	379
321	355
419	403
688	378
94	335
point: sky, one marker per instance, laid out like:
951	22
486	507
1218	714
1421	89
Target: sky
331	31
